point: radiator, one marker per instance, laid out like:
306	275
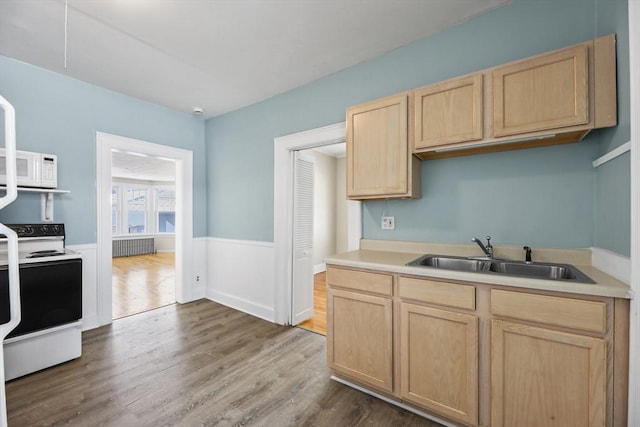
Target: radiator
128	247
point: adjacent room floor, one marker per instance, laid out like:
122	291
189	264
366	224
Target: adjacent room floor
318	323
143	282
196	364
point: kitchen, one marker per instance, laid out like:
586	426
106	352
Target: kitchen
454	206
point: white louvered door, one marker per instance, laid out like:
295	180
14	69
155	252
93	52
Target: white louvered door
302	307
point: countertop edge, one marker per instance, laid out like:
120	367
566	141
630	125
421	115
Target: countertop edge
394	262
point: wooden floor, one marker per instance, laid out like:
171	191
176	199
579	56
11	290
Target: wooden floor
318	323
143	282
197	364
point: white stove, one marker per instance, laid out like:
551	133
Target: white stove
50	329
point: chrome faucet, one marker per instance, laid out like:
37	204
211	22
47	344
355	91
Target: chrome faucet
488	249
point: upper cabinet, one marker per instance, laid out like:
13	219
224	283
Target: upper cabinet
448	112
545	92
379	160
552	98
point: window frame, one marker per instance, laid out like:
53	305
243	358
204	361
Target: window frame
151	206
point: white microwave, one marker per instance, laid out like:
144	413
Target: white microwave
32	169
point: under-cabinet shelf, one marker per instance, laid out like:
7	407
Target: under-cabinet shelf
46	199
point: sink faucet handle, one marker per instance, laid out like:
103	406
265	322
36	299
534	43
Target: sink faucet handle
527	254
489	247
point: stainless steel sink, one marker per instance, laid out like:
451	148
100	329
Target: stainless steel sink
451	263
535	270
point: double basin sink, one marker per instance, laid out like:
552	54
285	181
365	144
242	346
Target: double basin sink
534	270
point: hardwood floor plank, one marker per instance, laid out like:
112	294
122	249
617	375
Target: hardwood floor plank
142	282
318	323
196	364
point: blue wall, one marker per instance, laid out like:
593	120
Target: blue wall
60	115
543	196
613	184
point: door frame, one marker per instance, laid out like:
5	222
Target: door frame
105	143
634	345
284	147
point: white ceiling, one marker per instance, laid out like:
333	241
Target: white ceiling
335	150
219	55
137	166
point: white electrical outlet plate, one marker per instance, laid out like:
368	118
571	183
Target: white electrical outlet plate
388	222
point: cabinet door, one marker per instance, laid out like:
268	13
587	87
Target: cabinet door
439	361
541	377
448	112
378	158
544	92
360	337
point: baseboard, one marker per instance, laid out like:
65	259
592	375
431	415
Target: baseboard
243	305
319	268
90	322
393	402
613	264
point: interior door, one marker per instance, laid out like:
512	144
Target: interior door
302	307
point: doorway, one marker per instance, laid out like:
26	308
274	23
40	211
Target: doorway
182	161
328	216
143	210
283	211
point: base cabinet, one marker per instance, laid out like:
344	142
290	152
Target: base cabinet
541	377
360	337
476	354
439	361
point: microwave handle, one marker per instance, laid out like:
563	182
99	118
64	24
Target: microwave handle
10	152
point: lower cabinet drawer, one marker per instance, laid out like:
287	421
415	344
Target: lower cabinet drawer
557	311
378	283
442	293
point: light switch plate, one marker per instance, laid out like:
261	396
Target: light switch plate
388	222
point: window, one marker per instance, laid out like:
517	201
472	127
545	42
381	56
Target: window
136	210
166	200
142	209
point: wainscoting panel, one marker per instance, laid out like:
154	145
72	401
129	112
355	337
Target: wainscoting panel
89	285
199	268
240	274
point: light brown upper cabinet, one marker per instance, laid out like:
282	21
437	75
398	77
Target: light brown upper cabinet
448	112
544	92
553	98
379	162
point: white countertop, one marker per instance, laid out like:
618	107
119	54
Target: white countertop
395	262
